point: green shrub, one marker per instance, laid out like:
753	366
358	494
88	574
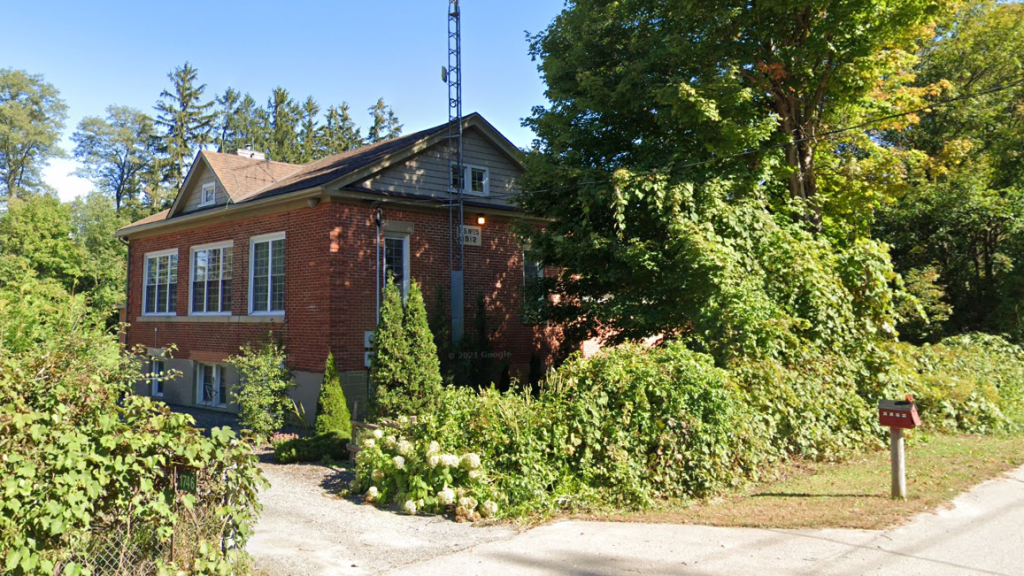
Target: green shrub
970	383
405	370
624	429
264	381
332	413
83	472
324	446
421	477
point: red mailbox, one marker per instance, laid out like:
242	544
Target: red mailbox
898	413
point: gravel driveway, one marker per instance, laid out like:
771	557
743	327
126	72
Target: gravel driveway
305	530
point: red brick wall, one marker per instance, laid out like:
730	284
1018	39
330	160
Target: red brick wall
305	328
330	284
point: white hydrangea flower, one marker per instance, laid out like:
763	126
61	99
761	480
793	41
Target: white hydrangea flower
391	442
404	448
433	448
446	496
468	503
449	460
371	494
433	460
378	434
369	443
377	475
354	484
403	419
409	507
470	461
489	509
399	462
474	474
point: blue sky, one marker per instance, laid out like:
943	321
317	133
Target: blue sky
117	52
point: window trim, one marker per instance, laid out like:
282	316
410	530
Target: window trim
467	179
253	241
154	378
192	273
405	261
145	274
202	194
218	379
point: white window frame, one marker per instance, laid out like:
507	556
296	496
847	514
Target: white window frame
155	382
218	384
405	261
209	186
192	274
145	277
467	180
253	241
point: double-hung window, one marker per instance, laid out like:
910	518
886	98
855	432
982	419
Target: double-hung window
211	389
160	288
477	177
156	375
266	274
211	279
396	260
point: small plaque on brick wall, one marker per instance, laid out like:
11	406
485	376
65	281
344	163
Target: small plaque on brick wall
472	236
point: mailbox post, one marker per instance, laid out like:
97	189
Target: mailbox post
898	415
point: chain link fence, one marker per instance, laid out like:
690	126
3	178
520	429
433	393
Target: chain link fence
115	548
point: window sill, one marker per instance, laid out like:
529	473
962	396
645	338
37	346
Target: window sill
222	319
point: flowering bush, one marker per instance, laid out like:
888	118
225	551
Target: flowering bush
419	477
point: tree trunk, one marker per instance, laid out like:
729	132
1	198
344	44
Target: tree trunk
800	157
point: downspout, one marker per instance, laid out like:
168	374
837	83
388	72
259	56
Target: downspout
378	220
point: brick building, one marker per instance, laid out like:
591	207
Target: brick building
252	246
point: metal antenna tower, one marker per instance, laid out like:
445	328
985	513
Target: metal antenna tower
456	183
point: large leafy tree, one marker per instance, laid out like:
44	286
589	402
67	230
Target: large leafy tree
678	160
243	123
32	116
117	153
309	131
187	120
661	85
961	222
385	125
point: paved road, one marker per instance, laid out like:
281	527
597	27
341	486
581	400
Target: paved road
982	534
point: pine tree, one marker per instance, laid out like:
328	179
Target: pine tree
309	132
227	104
332	415
339	131
423	372
390	355
283	114
187	121
385	123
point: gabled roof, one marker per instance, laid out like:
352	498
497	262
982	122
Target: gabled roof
247	179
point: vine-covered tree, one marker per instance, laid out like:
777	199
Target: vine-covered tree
187	121
32	116
117	153
657	241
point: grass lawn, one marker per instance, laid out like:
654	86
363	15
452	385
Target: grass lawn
854	493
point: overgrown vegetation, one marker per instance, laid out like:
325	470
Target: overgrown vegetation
86	476
264	381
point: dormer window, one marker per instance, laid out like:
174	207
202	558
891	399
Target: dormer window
209	194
